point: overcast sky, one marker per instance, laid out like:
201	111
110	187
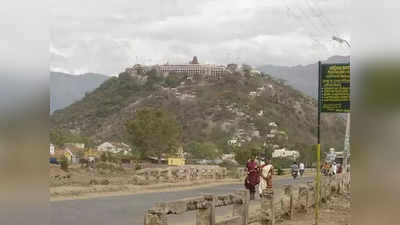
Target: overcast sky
108	36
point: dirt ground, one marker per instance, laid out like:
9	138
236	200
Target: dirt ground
334	212
77	176
111	180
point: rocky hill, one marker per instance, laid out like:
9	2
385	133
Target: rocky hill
240	105
66	89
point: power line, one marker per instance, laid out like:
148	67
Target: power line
319	16
302	23
304	19
319	13
311	36
312	22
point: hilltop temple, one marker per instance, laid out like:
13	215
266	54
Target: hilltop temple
194	70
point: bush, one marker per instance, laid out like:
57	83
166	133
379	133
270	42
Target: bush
246	151
64	164
114	159
138	166
280	171
103	157
206	150
282	162
173	80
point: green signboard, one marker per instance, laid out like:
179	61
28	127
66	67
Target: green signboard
334	88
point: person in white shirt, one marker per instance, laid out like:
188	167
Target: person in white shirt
301	168
334	168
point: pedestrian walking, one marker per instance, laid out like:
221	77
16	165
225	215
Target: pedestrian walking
334	168
266	172
301	168
253	177
295	170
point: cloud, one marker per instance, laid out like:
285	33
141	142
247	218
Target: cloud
107	37
57	52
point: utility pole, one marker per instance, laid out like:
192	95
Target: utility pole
346	144
269	145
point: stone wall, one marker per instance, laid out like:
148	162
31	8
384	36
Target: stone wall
205	207
295	199
179	174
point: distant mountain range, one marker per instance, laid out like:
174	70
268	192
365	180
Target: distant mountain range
302	78
66	89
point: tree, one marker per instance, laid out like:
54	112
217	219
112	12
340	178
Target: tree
154	132
89	143
64	164
308	153
246	68
154	79
282	162
57	137
173	80
247	150
207	150
220	138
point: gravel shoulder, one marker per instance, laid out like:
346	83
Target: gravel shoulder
334	212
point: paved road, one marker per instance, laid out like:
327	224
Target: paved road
129	210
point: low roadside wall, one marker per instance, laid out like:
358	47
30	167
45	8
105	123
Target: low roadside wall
179	174
295	199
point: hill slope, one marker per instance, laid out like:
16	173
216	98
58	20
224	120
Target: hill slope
238	105
302	78
66	89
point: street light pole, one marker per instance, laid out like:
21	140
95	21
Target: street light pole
347	136
341	40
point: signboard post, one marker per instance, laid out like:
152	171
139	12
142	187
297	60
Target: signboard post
333	97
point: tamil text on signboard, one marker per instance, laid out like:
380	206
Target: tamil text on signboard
335	88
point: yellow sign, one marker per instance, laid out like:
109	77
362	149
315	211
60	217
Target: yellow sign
91	153
176	161
335	88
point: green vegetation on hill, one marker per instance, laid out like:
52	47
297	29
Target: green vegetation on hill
59	137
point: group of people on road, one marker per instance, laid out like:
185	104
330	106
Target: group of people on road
258	173
297	169
330	169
